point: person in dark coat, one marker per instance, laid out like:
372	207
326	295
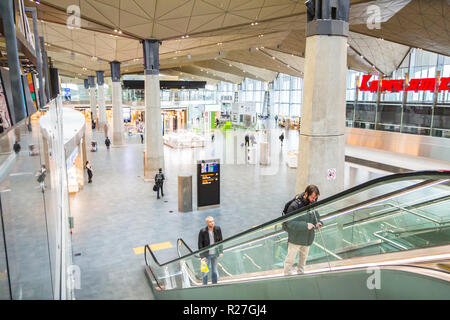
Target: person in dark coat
301	230
247	140
107	143
17	147
159	181
89	171
282	138
208	236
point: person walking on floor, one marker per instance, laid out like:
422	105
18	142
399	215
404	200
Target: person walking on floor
41	174
301	230
89	171
247	139
281	137
17	147
142	137
159	181
208	236
107	143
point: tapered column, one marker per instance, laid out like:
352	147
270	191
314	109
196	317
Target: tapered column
45	72
154	152
101	100
322	136
92	98
118	138
7	15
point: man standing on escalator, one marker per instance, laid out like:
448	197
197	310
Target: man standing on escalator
301	230
207	237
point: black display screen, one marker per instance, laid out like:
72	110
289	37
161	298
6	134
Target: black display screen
208	182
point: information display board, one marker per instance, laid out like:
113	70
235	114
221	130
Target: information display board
208	182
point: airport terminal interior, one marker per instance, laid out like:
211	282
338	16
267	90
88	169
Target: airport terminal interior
166	149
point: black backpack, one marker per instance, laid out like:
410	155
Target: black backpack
286	207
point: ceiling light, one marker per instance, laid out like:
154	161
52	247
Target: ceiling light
273	58
188	56
120	31
115	30
219	43
230	65
262	47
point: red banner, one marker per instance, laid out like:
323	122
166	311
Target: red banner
397	85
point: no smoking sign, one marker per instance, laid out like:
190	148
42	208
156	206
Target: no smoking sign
331	174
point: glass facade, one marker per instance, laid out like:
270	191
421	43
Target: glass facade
35	245
421	112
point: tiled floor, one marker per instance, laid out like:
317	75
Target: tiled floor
119	211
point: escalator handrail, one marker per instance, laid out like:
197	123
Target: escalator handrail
147	248
438	174
185	244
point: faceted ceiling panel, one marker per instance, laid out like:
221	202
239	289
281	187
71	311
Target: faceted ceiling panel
194	31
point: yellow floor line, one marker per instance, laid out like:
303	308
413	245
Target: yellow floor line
154	247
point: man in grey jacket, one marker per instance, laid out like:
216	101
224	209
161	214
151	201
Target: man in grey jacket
301	230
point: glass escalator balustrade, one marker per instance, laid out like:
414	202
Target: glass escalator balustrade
390	214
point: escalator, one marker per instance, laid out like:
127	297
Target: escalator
397	226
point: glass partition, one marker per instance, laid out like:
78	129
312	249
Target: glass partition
389	214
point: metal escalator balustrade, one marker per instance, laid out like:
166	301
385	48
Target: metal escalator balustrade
357	222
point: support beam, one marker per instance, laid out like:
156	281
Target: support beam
42	101
93	102
322	134
118	138
101	102
154	152
7	14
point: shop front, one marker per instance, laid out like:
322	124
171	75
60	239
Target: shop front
75	173
174	119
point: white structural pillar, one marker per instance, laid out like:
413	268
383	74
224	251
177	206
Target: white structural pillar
92	98
322	135
154	152
101	99
118	138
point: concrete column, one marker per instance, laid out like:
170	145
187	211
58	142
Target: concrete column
118	138
33	11
83	149
9	32
101	100
154	152
92	98
45	72
322	136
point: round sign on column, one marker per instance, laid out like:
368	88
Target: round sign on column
331	174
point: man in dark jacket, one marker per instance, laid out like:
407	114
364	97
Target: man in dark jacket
107	143
159	181
206	237
17	147
301	230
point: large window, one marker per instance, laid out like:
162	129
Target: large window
287	95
